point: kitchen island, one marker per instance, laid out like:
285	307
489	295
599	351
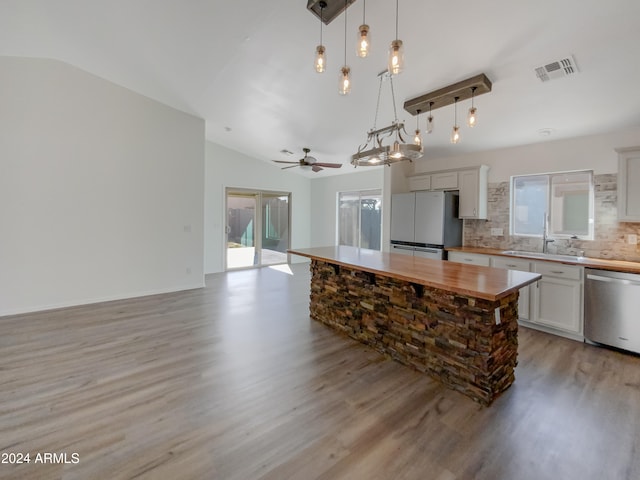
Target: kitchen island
455	322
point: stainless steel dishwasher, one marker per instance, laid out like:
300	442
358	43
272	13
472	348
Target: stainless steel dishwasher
612	308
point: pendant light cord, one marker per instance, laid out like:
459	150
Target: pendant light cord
364	10
345	31
321	22
397	19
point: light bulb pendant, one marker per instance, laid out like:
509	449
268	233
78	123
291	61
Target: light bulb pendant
344	85
364	41
430	124
417	139
455	134
320	62
396	57
472	117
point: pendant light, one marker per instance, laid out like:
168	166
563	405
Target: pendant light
374	151
430	119
396	52
472	117
417	139
455	133
320	60
364	39
344	85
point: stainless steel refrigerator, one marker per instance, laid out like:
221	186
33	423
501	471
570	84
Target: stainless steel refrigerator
424	223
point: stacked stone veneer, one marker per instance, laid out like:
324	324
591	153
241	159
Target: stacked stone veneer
454	338
609	242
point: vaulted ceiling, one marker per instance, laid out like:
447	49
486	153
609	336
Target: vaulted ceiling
246	66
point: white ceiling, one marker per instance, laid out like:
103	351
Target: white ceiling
246	66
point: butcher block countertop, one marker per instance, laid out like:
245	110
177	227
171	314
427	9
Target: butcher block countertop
469	280
601	263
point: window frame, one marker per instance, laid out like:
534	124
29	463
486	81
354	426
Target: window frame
359	194
549	214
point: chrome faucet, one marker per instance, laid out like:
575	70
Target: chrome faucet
545	237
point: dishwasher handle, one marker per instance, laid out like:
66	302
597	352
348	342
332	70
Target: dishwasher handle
621	281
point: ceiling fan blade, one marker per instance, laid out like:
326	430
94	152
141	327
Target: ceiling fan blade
284	161
329	165
291	166
316	168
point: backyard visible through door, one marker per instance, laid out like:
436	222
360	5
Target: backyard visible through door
257	228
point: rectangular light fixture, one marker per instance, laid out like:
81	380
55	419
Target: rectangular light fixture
446	95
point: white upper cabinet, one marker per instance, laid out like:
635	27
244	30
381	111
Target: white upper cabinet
628	181
472	184
444	181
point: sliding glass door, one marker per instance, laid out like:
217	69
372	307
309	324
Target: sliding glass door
360	219
257	228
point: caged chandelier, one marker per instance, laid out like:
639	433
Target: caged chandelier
374	152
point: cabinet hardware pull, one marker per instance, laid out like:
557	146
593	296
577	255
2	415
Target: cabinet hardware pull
557	271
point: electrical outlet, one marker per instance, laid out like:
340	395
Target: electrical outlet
632	239
497	232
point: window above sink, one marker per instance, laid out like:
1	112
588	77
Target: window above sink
556	205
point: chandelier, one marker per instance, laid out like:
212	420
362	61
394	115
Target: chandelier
374	152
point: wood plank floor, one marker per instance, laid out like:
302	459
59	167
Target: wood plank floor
234	382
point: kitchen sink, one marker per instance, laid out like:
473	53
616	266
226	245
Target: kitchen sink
543	256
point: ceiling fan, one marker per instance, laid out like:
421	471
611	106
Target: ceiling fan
308	161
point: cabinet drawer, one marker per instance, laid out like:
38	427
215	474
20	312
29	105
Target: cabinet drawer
558	270
444	181
470	258
511	263
422	182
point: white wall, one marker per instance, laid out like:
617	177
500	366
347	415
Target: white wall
228	168
324	200
101	190
594	152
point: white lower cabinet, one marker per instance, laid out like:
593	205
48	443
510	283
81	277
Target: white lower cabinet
553	304
470	258
524	310
557	298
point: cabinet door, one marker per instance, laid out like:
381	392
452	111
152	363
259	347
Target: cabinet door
402	216
444	181
525	292
559	304
420	182
628	180
472	185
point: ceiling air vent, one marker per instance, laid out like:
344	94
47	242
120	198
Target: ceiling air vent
557	69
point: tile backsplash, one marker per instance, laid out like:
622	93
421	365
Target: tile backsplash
610	235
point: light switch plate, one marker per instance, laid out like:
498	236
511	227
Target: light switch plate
632	239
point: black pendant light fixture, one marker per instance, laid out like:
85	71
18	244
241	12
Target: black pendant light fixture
320	60
364	38
430	120
396	52
455	133
417	139
344	85
472	116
